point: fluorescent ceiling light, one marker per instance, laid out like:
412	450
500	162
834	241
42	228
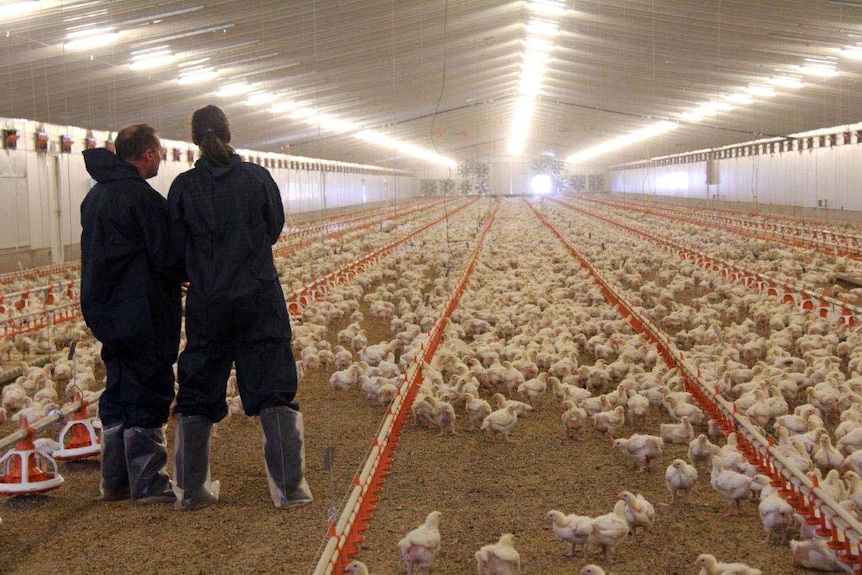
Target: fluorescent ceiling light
301	112
151	59
852	52
284	106
709	109
546	28
193	63
90	38
197	76
690	117
520	124
234	89
538	45
549	7
374	137
822	68
650	131
332	123
787	82
14	9
259	98
739	98
761	91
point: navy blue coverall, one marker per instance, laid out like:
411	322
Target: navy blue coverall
223	221
130	291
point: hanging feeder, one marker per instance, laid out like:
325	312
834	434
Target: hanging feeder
79	437
23	468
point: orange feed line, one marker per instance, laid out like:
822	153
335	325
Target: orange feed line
343	547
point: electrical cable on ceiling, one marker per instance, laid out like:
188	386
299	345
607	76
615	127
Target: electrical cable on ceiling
447	181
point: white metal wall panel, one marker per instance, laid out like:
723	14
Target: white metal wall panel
791	178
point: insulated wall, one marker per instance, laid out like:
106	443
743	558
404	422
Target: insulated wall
41	190
829	177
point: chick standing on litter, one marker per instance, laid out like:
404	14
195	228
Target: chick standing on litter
420	546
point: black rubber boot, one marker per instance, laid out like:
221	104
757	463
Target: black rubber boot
284	453
115	476
194	488
147	461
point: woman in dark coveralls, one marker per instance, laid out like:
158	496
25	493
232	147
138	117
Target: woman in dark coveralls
225	214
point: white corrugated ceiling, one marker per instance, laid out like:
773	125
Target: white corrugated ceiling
439	74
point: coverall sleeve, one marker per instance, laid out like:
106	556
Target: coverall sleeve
154	227
274	211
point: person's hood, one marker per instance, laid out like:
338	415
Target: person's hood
105	166
217	171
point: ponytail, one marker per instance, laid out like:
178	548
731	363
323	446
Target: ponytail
211	132
213	149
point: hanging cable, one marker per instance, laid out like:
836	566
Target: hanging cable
447	181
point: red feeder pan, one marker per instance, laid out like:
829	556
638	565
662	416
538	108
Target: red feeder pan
23	468
83	441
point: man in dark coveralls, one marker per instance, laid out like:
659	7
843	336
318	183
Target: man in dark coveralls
130	299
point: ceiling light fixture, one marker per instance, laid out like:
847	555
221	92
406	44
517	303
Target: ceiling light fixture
761	91
234	89
548	7
792	82
259	98
375	137
15	9
197	76
151	59
535	58
619	142
90	38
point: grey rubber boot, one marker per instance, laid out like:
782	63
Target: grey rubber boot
115	476
284	453
193	486
147	463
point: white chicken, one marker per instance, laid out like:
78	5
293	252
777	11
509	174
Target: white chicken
639	511
637	406
572	528
421	409
500	558
825	455
680	433
608	422
420	546
591	570
345	379
678	408
501	422
443	415
642	447
533	388
776	515
815	554
680	476
574	419
702	449
477	409
500	401
355	567
732	485
609	530
709	565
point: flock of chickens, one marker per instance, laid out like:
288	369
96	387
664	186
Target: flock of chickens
503	349
529	329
